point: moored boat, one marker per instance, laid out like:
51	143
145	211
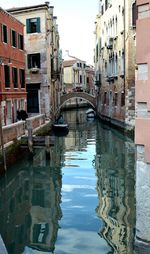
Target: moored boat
90	113
60	129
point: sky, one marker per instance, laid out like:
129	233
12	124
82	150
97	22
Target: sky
75	20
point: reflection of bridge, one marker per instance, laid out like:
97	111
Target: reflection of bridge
82	95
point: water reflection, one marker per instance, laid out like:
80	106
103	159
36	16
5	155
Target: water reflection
30	203
74	197
114	165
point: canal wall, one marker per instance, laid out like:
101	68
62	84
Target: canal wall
17	130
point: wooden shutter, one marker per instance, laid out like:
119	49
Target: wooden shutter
28	26
38	25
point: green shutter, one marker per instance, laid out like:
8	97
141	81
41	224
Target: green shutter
28	26
38	25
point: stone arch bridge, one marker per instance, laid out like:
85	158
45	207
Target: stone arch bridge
82	95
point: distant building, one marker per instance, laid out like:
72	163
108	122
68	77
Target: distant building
78	76
43	61
90	82
115	61
12	68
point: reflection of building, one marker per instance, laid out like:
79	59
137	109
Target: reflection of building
142	128
115	61
43	57
12	68
114	164
78	133
31	205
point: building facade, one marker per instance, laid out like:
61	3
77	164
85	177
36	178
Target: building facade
142	127
12	68
78	76
115	61
42	57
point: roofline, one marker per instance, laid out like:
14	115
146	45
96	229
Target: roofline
11	16
26	8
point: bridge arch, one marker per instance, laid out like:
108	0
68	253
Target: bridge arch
82	95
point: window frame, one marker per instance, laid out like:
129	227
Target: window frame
22	77
2	29
30	29
7	76
13	43
30	61
15	77
20	41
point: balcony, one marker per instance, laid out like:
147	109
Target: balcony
34	70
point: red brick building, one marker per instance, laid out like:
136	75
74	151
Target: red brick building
12	67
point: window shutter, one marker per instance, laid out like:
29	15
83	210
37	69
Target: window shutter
38	25
27	26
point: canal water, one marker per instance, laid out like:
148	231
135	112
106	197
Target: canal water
77	196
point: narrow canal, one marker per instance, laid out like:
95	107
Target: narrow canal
75	197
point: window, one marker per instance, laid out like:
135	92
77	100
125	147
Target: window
105	98
7	76
115	99
34	61
15	77
87	80
106	5
22	78
102	10
134	14
4	34
122	99
80	79
33	25
13	38
20	41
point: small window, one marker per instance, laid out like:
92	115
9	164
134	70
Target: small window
7	76
80	79
106	5
13	38
4	34
105	98
34	61
22	78
115	99
87	80
20	41
33	25
122	99
15	77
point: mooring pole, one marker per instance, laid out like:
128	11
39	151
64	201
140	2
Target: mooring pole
30	135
